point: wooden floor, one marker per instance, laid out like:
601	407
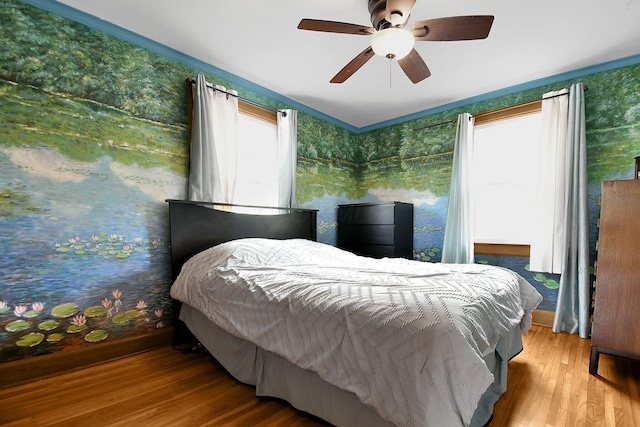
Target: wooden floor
549	385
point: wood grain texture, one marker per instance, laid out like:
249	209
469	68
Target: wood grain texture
617	291
549	385
25	370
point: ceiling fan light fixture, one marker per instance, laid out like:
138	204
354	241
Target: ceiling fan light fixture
392	42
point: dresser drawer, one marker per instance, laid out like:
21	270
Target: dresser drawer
366	234
367	214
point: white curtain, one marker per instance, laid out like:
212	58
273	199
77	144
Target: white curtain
458	233
574	295
287	158
214	130
547	246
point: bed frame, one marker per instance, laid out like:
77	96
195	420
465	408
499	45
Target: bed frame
196	226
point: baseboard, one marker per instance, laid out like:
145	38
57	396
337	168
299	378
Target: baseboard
543	318
36	367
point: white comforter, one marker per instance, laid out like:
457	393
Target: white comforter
406	337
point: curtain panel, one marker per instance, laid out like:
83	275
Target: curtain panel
214	134
287	131
458	234
547	246
573	308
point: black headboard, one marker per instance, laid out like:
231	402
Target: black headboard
196	226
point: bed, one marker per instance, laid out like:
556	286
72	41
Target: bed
355	341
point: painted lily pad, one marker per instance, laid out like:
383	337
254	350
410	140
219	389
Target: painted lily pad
132	314
74	329
17	325
539	277
48	325
55	337
65	310
95	311
31	314
120	319
62	249
122	255
30	340
5	309
97	335
551	284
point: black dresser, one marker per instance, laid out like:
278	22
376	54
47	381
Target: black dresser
376	229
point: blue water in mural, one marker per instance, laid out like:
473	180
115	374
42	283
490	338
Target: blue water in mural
87	236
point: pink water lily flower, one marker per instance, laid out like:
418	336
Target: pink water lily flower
19	310
37	307
79	320
117	294
106	303
142	306
159	312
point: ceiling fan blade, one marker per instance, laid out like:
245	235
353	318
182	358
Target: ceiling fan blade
334	27
414	67
453	28
353	66
401	7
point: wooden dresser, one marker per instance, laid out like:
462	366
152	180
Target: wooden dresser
376	229
616	317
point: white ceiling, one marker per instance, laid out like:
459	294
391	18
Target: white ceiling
258	41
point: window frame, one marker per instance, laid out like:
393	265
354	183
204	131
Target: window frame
505	249
257	112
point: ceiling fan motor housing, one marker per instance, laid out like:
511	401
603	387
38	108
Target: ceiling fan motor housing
378	9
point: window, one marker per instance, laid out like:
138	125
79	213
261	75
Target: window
257	173
505	173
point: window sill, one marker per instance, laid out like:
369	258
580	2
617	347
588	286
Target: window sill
501	249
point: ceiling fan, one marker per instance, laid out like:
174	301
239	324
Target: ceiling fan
390	38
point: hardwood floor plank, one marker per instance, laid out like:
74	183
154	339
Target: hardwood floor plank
548	385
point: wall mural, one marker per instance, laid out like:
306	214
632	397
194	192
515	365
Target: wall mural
95	139
85	172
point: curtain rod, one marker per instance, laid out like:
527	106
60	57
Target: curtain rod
191	81
510	106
